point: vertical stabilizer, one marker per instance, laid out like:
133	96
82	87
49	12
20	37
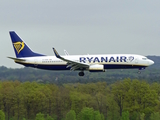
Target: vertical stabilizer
20	48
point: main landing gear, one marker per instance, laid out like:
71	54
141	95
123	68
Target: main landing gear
81	73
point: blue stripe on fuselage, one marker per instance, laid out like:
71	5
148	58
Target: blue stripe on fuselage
64	67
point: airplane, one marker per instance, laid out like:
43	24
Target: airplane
93	63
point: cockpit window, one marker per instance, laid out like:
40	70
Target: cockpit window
144	58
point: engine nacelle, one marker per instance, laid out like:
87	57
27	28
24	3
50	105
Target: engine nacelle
96	68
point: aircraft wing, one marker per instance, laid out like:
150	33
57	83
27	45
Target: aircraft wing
71	63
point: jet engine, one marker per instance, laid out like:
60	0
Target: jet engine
96	68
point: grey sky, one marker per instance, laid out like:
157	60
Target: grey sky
81	27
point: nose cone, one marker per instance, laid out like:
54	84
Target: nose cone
151	62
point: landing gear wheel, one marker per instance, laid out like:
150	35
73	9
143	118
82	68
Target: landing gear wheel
81	73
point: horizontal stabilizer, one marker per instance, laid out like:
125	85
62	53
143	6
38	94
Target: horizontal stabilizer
17	59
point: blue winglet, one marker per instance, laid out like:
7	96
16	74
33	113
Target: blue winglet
56	53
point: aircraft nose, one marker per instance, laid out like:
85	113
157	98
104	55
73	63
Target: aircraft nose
151	62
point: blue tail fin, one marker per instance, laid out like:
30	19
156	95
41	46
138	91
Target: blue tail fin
20	48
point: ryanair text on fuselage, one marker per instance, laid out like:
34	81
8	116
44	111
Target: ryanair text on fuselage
106	59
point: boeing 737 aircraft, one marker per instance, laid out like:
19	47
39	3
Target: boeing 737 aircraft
92	63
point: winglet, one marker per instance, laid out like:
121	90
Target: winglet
66	53
56	53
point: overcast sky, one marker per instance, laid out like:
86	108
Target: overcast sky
81	27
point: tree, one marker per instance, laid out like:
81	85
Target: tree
6	91
17	100
86	114
134	115
71	115
62	102
125	115
2	115
39	116
34	99
49	117
119	91
142	116
155	116
141	98
98	116
78	101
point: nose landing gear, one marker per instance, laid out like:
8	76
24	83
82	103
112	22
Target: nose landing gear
139	71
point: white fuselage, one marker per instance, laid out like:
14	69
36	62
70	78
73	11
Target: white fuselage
109	61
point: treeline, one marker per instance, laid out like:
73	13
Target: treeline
62	77
123	100
156	60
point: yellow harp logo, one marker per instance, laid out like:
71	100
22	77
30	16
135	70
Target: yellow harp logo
19	46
